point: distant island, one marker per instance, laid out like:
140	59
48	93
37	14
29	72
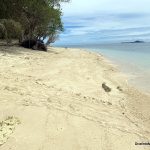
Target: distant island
137	41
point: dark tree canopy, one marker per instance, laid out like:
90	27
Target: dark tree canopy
30	19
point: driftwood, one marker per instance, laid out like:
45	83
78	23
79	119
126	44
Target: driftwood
106	88
34	44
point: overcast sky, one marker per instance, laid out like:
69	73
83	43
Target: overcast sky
105	21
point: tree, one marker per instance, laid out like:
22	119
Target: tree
9	29
37	18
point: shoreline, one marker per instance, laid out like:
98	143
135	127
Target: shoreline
132	76
59	100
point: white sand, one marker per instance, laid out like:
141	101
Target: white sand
59	100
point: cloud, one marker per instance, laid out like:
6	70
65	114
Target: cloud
78	7
125	20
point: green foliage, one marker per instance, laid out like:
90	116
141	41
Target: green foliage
10	29
33	18
3	32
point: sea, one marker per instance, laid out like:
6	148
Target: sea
133	59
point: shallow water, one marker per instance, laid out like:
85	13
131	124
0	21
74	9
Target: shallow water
131	58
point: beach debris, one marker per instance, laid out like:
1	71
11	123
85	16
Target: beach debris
119	88
78	94
7	127
105	87
109	103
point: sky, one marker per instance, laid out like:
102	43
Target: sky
105	21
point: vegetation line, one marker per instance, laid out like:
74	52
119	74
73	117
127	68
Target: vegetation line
27	20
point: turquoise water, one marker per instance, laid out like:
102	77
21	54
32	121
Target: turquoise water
131	58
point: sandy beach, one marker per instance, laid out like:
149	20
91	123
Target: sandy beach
55	101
